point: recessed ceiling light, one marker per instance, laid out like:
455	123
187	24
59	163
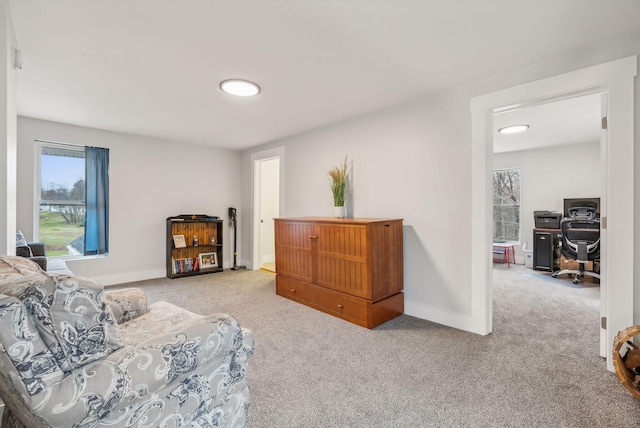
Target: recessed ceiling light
240	88
513	129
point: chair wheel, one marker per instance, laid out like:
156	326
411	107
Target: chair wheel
554	275
576	280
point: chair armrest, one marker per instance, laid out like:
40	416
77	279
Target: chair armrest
201	354
24	251
34	251
126	304
41	261
37	248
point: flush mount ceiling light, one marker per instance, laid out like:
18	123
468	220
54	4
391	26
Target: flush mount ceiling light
513	129
239	87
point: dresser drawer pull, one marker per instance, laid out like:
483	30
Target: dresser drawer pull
313	237
340	306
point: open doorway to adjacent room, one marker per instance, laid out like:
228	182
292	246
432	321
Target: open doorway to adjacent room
615	81
266	206
557	157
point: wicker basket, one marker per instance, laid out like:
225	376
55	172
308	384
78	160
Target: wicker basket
625	375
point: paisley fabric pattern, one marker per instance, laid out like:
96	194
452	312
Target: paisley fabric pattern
173	368
126	304
70	313
34	362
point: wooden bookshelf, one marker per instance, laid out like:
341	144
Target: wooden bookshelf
194	258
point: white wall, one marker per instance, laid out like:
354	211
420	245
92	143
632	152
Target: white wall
549	175
149	180
413	162
8	119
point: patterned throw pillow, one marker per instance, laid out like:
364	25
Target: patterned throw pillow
20	239
73	318
34	362
70	313
21	243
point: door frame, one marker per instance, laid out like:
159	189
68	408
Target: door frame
256	159
616	79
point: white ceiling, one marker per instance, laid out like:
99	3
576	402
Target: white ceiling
572	121
152	67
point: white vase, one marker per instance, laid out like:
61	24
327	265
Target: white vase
339	212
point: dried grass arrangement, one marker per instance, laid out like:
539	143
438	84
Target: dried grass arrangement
339	176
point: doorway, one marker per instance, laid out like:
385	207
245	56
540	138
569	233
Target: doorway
268	210
559	157
267	199
616	80
563	160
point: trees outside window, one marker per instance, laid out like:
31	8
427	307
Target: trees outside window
506	205
62	207
73	206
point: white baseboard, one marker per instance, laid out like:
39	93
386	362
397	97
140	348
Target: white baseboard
450	319
121	278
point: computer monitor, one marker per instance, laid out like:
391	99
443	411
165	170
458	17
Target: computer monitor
581	202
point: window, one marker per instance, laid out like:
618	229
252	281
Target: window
73	200
506	205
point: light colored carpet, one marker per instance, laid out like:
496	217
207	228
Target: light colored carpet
540	367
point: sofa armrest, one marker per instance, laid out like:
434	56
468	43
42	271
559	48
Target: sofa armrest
245	350
201	354
126	304
37	248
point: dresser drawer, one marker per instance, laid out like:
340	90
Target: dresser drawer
293	289
349	308
341	305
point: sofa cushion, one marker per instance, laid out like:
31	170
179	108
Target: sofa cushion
58	266
70	312
19	336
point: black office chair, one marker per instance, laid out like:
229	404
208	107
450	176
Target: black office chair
580	242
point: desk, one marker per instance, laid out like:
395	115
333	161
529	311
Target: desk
508	251
546	249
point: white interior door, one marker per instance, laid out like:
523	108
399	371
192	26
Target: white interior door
603	229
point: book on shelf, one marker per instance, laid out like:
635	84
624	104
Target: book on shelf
183	265
179	241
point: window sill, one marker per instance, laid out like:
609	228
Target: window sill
74	258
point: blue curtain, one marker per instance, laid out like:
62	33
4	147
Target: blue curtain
96	227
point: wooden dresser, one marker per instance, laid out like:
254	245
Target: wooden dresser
349	268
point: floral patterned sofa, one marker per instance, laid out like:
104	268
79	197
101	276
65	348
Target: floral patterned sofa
72	355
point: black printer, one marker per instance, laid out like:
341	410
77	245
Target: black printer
547	220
